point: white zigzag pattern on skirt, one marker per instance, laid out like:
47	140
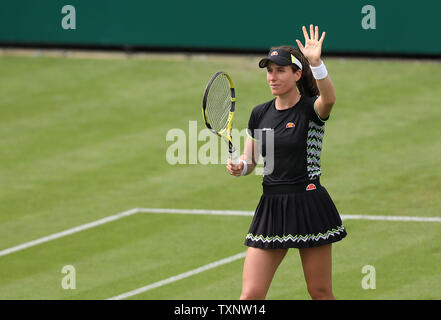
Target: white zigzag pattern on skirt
296	238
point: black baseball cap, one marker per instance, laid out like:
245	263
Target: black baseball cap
280	57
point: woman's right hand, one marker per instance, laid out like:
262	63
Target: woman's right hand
234	170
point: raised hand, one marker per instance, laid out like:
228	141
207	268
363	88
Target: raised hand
312	49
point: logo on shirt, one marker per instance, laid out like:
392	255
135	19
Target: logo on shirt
290	125
310	187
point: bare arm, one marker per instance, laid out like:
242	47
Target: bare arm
323	105
248	156
312	50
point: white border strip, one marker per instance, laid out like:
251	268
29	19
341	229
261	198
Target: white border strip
251	213
389	218
185	211
197	211
68	232
179	276
190	211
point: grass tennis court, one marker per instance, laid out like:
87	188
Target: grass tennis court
85	138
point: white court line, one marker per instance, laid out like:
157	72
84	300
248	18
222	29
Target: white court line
389	218
189	211
197	211
179	276
251	213
68	232
240	255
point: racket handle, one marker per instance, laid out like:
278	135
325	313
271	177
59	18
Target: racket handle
234	157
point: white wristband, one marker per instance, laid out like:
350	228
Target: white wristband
245	167
319	72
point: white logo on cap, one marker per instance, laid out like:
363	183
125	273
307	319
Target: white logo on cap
274	53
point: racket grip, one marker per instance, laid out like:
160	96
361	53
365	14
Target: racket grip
234	156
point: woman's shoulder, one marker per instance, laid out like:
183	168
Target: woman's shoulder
309	101
263	107
307	104
309	109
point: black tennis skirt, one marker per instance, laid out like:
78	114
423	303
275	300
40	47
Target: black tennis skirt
295	216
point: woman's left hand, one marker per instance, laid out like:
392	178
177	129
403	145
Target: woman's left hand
313	46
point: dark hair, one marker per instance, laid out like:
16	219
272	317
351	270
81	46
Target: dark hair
306	83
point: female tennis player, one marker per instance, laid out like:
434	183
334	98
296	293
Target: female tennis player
295	210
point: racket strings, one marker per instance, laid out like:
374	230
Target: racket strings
219	103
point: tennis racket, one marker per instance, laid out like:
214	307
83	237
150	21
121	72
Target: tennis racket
218	109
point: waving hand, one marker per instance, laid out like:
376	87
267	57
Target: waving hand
312	49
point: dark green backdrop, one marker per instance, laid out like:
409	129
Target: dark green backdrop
401	26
